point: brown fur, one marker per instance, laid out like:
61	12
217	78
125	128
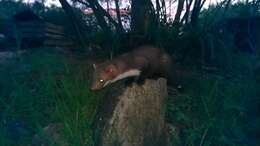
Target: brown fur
151	61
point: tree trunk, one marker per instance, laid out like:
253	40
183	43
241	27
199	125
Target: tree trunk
164	15
107	5
134	118
139	16
99	16
179	10
158	7
227	2
195	13
198	4
118	15
75	21
187	12
170	8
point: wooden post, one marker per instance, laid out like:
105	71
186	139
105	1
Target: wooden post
136	117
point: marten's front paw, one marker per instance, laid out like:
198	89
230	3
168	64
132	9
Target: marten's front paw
129	82
140	81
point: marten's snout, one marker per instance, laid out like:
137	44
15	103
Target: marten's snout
96	86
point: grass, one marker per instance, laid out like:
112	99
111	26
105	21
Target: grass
43	88
40	88
217	110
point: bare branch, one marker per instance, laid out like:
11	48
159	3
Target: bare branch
201	5
179	10
118	15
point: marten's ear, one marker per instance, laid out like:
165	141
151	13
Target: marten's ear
109	69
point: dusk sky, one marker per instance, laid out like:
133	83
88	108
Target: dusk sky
56	2
125	3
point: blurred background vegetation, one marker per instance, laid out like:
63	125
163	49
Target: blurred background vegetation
44	79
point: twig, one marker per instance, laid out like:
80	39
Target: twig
204	135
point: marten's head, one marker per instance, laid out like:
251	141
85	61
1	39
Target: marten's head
103	74
106	73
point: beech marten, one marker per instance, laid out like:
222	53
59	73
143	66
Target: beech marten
143	62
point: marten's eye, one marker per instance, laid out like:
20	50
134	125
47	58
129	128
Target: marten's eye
101	81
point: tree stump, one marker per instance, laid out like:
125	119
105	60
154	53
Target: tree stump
136	117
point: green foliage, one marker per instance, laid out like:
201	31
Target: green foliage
220	108
9	7
43	88
242	9
216	111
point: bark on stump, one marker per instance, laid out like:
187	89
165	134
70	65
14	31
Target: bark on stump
137	117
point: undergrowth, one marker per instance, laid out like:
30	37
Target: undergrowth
216	111
43	88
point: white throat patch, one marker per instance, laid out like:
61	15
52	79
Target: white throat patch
129	73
